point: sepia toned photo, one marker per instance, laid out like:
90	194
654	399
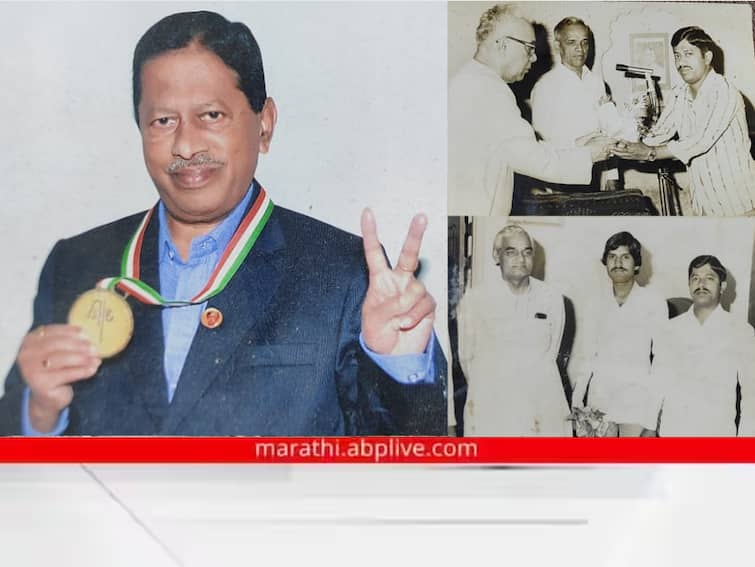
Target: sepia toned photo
601	108
603	327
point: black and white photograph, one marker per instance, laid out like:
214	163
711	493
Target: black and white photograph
601	108
600	327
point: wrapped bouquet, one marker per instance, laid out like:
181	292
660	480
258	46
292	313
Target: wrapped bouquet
591	422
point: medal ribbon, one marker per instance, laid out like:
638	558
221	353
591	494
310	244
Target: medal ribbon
237	250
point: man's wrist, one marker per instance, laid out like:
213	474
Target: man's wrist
41	418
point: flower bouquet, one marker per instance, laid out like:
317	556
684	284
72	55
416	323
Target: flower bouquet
591	422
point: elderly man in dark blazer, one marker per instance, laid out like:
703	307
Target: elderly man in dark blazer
248	319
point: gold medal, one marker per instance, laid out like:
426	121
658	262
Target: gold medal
105	318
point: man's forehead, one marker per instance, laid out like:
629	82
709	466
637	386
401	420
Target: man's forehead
517	27
705	269
518	240
684	45
623	249
576	31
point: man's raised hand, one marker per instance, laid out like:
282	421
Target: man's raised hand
398	312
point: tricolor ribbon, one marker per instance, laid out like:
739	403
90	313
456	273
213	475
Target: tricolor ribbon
237	250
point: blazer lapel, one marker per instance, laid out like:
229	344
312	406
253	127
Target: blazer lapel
146	376
243	304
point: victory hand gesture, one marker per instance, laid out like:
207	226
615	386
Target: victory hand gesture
398	312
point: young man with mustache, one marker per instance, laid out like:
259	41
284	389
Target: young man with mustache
703	356
708	115
622	326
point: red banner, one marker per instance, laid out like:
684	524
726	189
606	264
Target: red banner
481	451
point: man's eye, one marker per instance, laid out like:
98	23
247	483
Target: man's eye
163	121
212	115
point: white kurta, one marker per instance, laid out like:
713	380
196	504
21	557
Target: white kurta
701	365
619	344
566	107
508	346
488	140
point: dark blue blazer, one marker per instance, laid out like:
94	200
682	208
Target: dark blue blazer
285	361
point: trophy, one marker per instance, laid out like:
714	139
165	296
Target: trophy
648	110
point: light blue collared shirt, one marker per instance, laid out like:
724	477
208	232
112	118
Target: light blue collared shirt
181	280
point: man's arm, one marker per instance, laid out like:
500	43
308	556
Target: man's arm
403	372
725	103
542	104
746	380
724	107
544	161
51	358
558	313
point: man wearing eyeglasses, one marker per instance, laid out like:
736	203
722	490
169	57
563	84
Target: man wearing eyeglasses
510	331
488	138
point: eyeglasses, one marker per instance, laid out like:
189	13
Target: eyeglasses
528	45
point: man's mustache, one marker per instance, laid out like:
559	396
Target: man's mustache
699	289
202	160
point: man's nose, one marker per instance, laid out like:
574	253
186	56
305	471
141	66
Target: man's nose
187	141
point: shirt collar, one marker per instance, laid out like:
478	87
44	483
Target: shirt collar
563	69
209	243
717	315
709	83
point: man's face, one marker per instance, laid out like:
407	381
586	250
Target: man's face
517	58
516	255
620	265
200	137
574	47
691	63
705	287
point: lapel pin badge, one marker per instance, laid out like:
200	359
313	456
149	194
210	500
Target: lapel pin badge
212	318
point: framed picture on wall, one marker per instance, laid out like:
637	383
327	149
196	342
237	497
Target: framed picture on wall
650	50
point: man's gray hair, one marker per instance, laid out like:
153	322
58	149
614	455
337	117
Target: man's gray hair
565	23
491	18
506	231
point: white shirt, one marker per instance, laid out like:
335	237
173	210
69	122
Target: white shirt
619	344
488	140
714	144
508	344
566	107
700	366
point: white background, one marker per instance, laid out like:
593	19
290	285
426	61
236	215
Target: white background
657	516
360	90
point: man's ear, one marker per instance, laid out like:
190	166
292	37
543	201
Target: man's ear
708	57
268	118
